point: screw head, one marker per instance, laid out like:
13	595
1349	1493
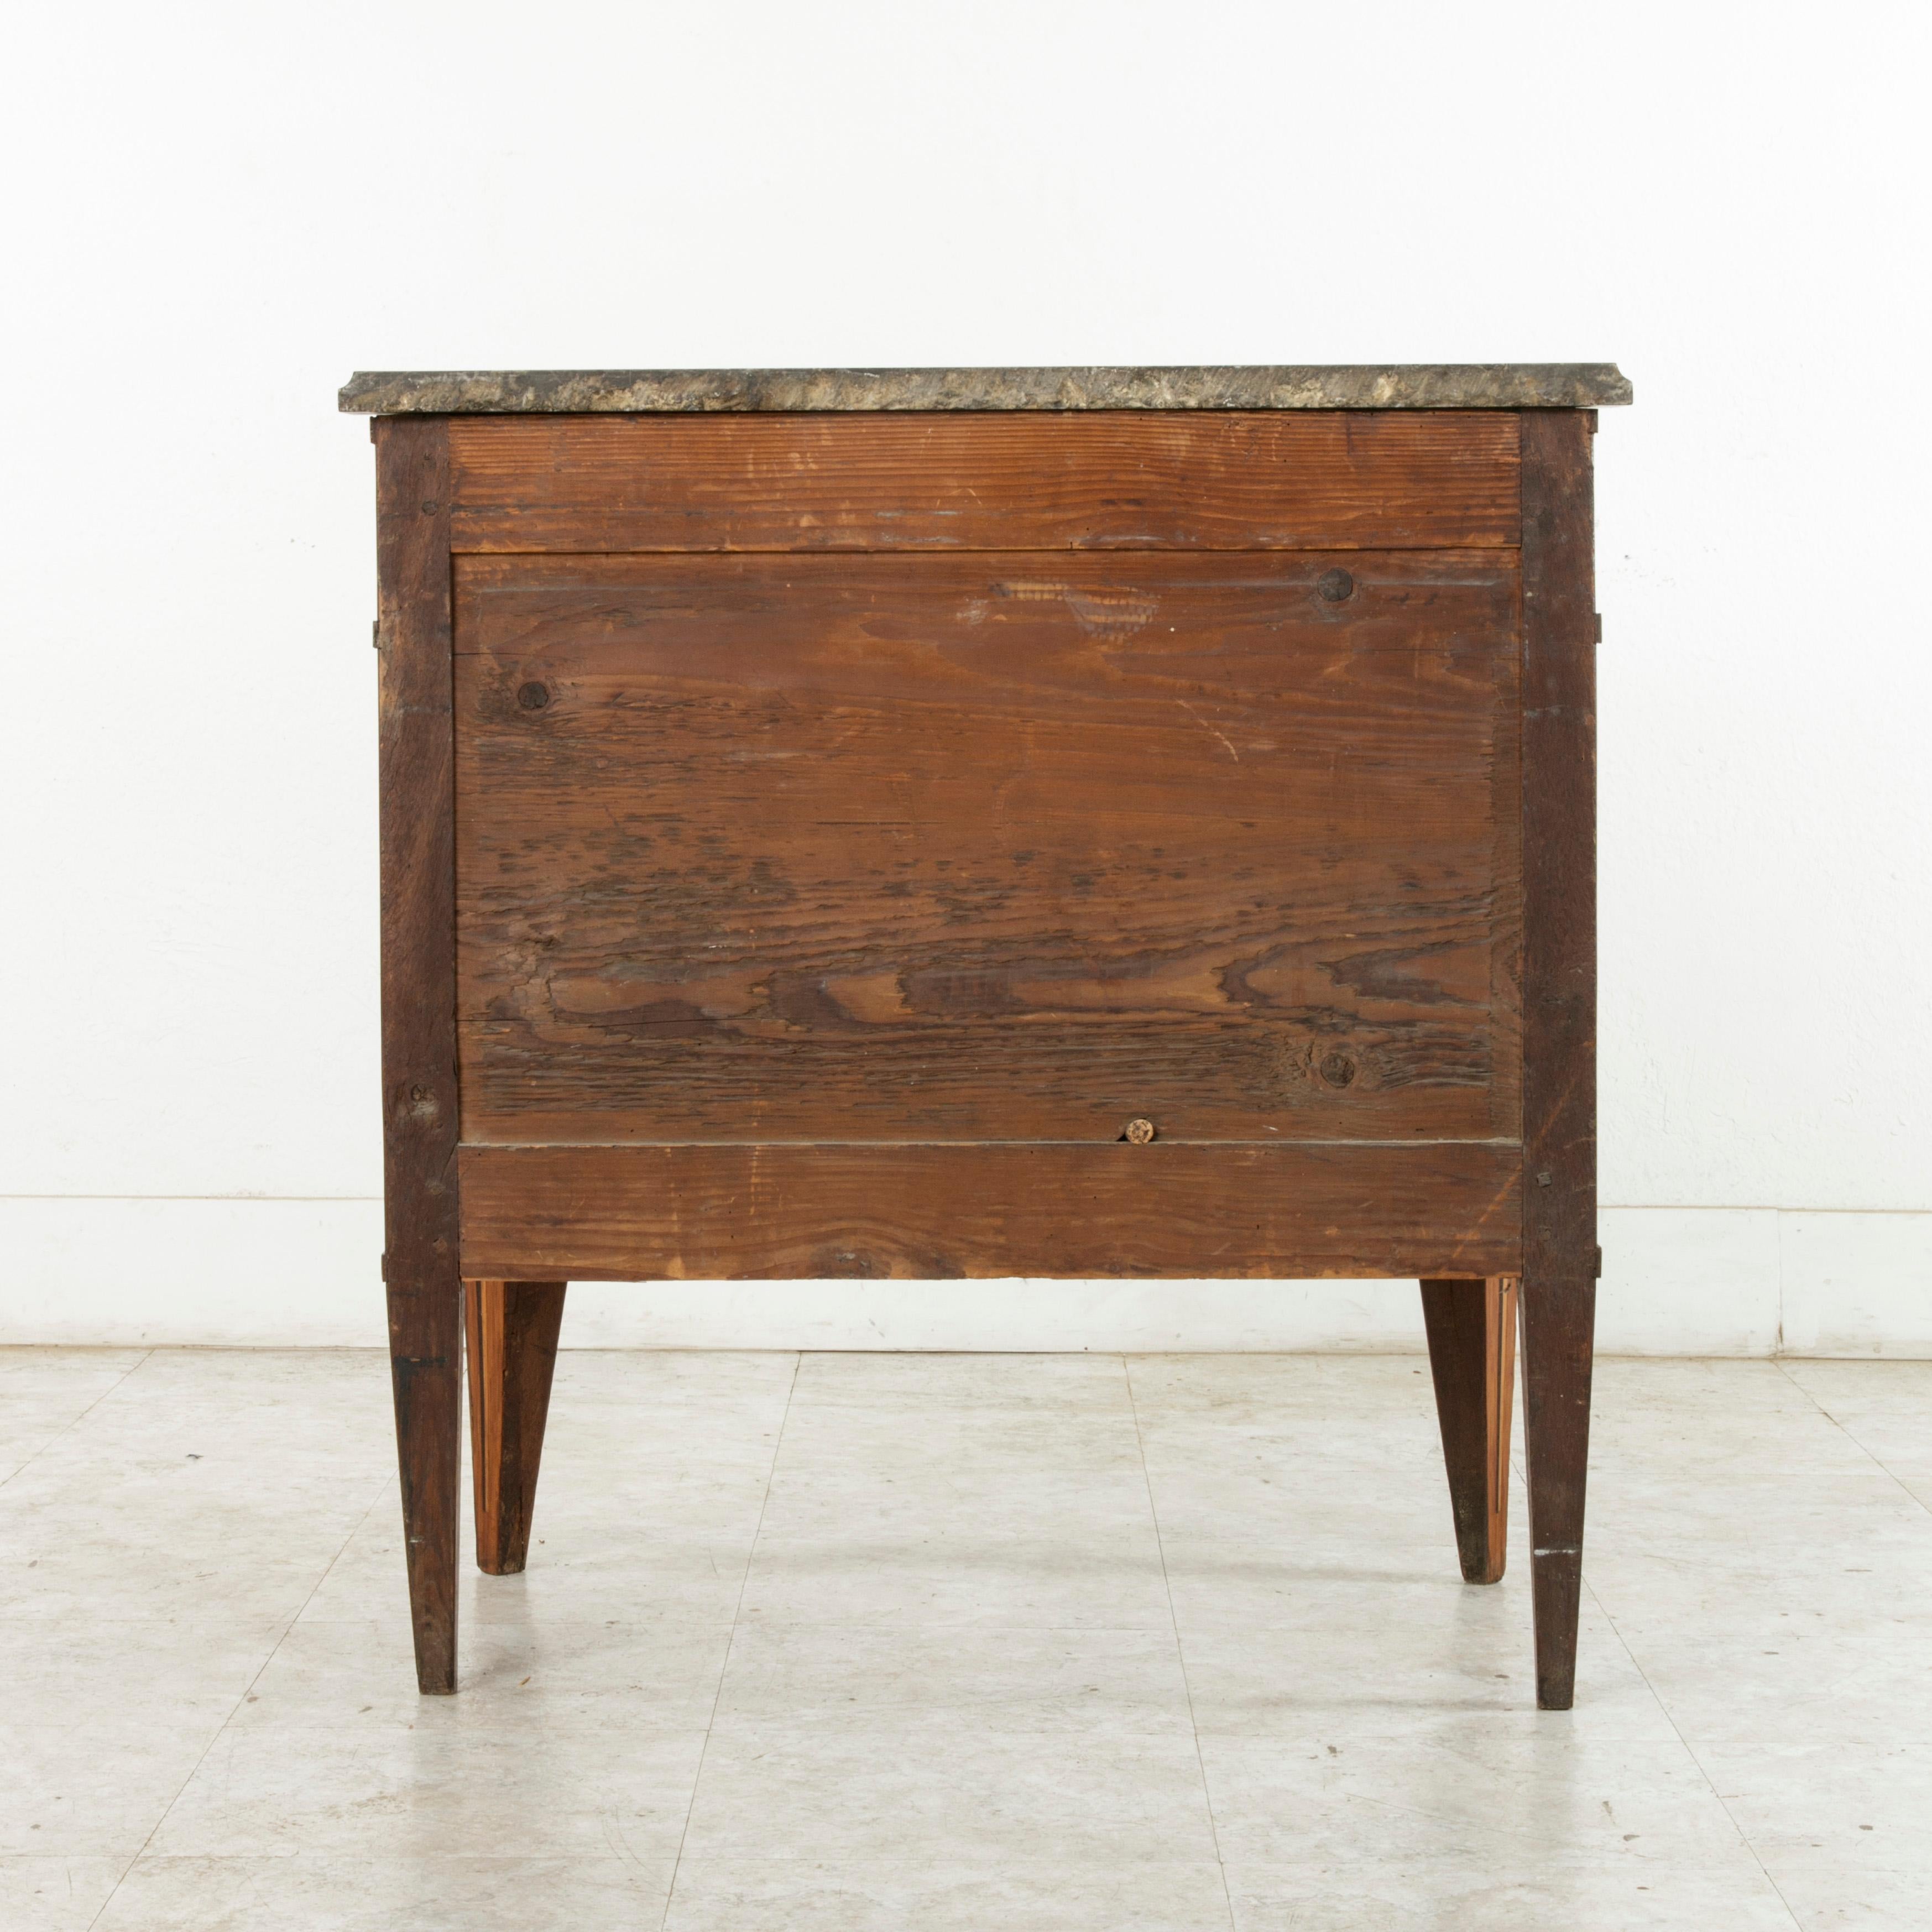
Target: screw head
1335	586
533	697
1337	1069
1139	1132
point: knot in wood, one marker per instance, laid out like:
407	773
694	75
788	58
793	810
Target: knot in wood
1139	1132
532	696
1337	1069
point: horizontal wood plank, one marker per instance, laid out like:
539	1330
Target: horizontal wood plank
1337	479
940	1213
764	848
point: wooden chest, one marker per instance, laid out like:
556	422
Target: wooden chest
942	823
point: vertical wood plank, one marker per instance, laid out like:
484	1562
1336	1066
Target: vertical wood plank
1471	1327
1559	1101
418	968
511	1328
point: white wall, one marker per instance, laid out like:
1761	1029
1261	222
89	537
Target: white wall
215	214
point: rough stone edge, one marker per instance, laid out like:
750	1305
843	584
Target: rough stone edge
1477	385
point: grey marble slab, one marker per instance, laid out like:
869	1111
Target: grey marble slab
1414	385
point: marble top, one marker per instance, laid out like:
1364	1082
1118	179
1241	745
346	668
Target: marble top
1409	386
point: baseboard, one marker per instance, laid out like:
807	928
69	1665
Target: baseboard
243	1272
222	1272
1856	1284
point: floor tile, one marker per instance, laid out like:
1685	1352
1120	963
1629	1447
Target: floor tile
1455	1784
1271	1391
106	1722
1381	1654
617	1566
1708	1419
1007	1679
654	1476
1758	1524
44	1392
888	1445
95	1789
662	1674
1885	1408
1277	1453
1843	1831
1054	1575
1780	1606
594	1786
1616	1892
1779	1660
946	1790
971	1627
56	1894
1051	1387
1015	1894
222	1482
425	1891
142	1671
57	1567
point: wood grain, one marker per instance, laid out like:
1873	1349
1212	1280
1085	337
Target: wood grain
1471	1327
511	1328
419	973
1231	480
987	847
1559	965
946	1211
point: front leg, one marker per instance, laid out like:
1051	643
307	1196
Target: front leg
426	1370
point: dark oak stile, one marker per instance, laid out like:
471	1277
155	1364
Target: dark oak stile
1559	970
418	972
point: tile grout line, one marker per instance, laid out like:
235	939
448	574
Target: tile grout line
1871	1456
220	1730
1690	1752
61	1435
737	1611
1180	1650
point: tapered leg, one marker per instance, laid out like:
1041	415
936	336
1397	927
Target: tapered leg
1560	1257
513	1329
1559	1318
426	1368
417	833
1471	1328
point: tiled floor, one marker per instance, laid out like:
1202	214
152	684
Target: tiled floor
885	1641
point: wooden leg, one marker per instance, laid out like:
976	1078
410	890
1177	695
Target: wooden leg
1471	1328
1558	1318
1560	1257
426	1370
513	1329
417	824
